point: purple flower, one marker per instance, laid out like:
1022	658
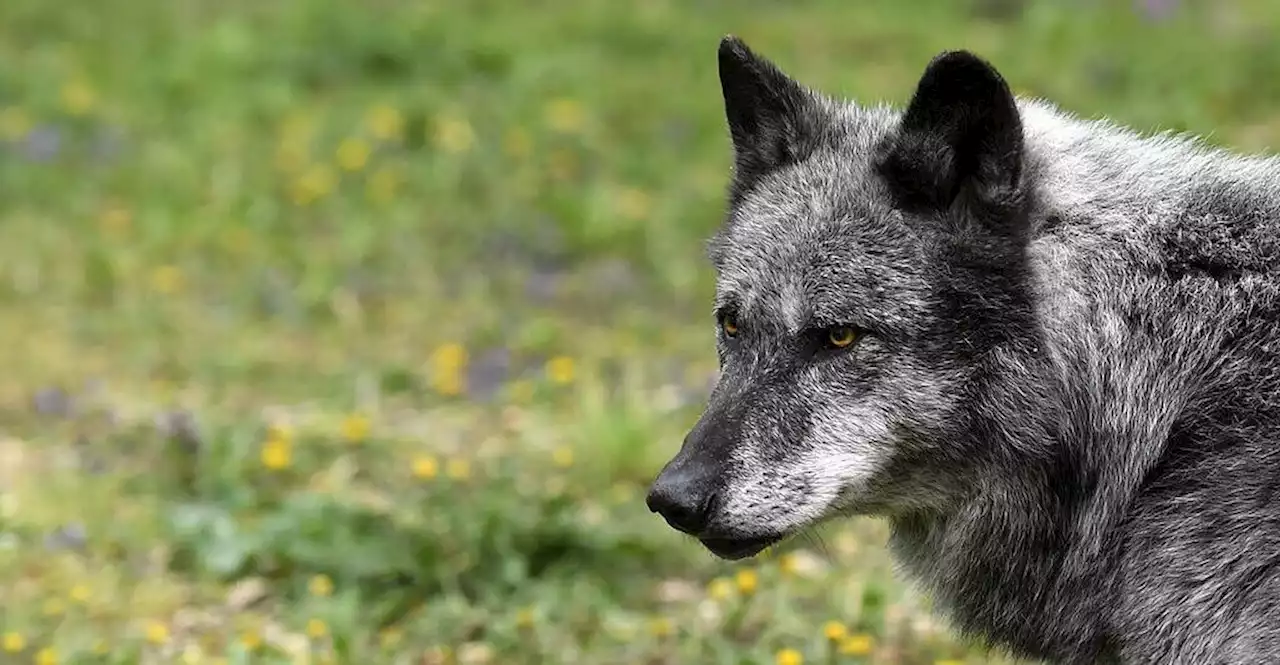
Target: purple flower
1157	10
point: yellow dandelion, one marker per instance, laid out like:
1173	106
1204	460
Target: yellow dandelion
277	455
948	661
54	607
315	183
167	279
747	580
353	154
661	627
454	134
78	98
447	365
116	220
517	143
320	585
390	637
47	656
14	123
385	122
560	370
525	617
251	639
856	645
563	457
720	588
157	632
634	204
789	657
788	564
355	427
80	594
426	467
834	631
565	116
317	628
458	469
383	185
13	642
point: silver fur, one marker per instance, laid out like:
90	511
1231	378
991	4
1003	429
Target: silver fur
1088	470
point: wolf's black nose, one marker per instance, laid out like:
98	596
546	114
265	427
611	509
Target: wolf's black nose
682	498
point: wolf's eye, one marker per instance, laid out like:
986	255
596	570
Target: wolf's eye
841	336
729	325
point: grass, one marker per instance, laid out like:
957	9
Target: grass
354	332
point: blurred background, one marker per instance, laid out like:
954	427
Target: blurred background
353	332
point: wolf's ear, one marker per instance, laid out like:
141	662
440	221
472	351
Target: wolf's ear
961	134
771	117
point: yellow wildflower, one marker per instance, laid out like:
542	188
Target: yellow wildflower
747	580
565	116
385	122
78	98
458	469
14	123
355	427
454	134
856	645
788	563
167	279
54	607
563	457
13	642
80	594
390	637
277	455
47	656
660	626
525	617
426	467
834	631
720	588
320	585
251	639
353	154
314	184
116	220
447	365
560	369
789	657
157	632
634	203
317	628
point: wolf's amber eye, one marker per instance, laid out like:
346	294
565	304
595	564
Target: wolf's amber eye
729	325
841	336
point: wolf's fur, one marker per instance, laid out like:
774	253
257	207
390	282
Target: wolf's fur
1065	395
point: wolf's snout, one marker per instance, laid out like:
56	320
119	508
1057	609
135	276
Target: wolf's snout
682	495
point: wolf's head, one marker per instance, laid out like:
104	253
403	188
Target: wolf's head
870	261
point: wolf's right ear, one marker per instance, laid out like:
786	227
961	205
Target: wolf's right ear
771	117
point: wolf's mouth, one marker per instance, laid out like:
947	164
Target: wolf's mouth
733	549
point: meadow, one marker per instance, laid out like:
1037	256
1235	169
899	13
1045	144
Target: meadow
354	332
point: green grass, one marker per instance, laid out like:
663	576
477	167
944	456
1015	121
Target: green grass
355	331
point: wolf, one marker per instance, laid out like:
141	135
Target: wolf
1042	347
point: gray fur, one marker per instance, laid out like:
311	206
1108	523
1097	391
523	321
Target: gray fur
1071	421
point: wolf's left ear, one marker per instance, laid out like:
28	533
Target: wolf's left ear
960	135
772	118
